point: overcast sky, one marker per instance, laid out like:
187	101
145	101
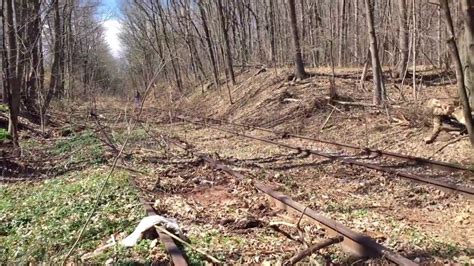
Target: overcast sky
110	12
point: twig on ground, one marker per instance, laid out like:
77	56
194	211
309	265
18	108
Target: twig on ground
163	230
282	223
339	110
327	119
301	230
286	234
354	103
124	167
447	144
307	252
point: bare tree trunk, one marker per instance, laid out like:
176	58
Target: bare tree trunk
55	79
14	71
439	42
403	38
356	30
170	52
376	68
226	41
300	73
414	51
342	32
272	32
5	92
33	37
468	60
453	48
209	43
363	76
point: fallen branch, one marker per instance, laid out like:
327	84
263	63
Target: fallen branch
291	100
163	230
354	103
447	144
307	252
339	110
327	119
286	234
281	223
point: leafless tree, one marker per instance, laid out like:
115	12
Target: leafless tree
374	52
461	80
403	38
300	72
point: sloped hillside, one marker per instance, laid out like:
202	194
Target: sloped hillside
272	99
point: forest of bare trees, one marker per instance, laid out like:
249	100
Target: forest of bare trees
55	49
240	132
52	50
204	39
261	33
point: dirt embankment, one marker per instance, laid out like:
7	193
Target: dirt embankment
270	99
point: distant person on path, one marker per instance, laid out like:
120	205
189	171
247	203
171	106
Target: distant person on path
138	101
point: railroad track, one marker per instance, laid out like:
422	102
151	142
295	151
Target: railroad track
418	160
351	241
450	187
177	257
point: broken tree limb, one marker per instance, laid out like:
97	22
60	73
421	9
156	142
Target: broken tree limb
282	223
447	144
307	252
327	119
286	234
352	103
291	100
339	110
163	230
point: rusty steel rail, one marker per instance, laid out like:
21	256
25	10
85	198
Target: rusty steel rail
356	243
439	184
177	257
419	160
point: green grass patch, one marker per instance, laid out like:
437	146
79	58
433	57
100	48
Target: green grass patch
195	258
212	240
138	255
4	134
337	207
135	135
85	146
360	213
3	108
39	222
29	144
